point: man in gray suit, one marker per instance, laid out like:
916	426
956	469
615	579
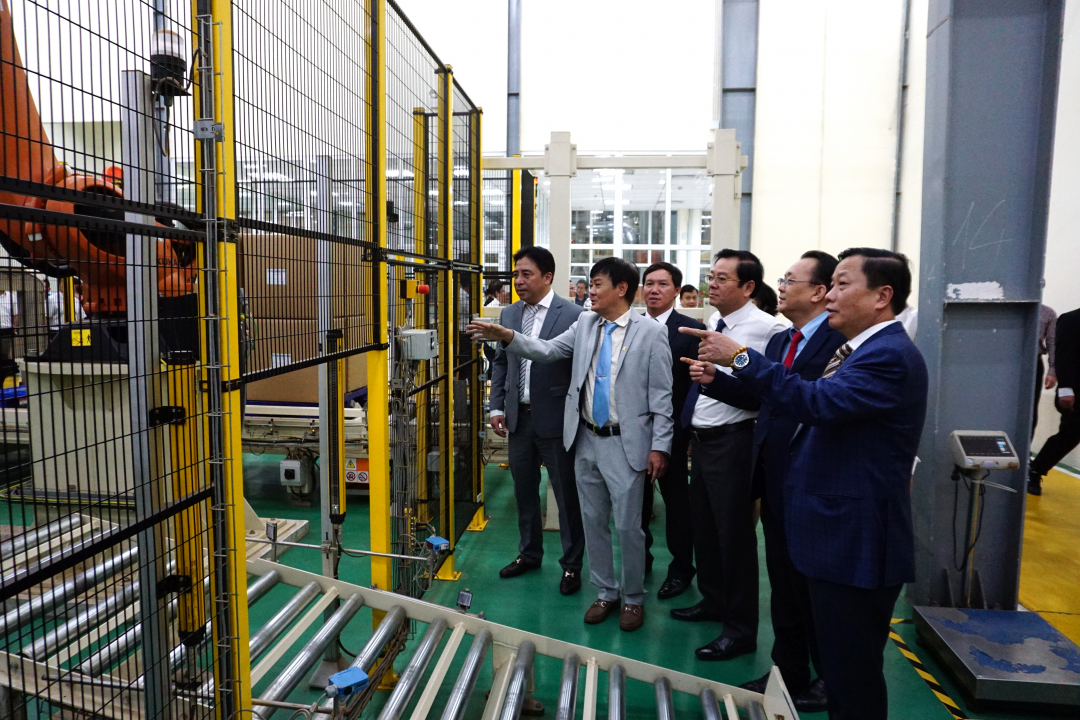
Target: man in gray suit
527	401
618	412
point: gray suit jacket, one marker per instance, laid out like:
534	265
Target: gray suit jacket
547	383
642	385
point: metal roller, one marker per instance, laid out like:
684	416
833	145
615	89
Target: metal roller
710	707
665	709
410	679
617	693
756	711
263	585
373	648
519	679
459	696
39	536
82	623
282	619
568	688
291	676
35	608
119	648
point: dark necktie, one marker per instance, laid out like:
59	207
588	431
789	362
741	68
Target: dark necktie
789	359
686	417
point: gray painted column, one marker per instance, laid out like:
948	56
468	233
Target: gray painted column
992	76
737	61
513	78
145	392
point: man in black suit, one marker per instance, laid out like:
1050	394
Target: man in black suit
527	401
1067	363
661	286
806	350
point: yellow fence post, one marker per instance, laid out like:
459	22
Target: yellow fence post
378	366
476	221
515	224
447	321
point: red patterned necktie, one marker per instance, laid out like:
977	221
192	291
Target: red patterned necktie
790	357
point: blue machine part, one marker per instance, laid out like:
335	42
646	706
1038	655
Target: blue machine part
438	544
345	683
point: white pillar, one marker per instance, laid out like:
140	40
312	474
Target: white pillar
560	165
617	223
725	164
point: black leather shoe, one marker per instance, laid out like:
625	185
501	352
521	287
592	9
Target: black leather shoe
813	699
570	583
672	587
723	648
518	567
757	686
697	613
1034	486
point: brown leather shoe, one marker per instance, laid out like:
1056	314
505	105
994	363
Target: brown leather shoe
632	617
600	610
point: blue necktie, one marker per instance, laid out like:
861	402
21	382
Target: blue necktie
601	409
687	414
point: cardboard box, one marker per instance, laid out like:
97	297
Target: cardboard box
280	277
284	342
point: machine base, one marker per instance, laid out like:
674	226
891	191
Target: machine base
321	677
1001	657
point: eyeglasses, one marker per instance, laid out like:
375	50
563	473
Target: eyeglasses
787	281
713	278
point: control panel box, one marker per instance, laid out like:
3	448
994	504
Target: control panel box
987	449
419	344
299	474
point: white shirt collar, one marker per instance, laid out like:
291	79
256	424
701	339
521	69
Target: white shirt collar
743	313
868	333
546	302
622	321
662	318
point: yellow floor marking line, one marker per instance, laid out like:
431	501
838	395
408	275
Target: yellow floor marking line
934	685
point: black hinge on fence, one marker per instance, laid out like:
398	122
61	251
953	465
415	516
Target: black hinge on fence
167	415
391	212
179	584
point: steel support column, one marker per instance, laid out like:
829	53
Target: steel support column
734	104
992	76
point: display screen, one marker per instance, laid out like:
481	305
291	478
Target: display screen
986	446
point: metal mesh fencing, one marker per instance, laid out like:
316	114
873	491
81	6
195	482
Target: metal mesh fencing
467	278
498	241
301	102
417	267
112	550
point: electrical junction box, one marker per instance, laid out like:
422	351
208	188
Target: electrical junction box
297	473
438	544
421	344
987	449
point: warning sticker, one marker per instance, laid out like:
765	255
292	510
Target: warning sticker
80	338
350	476
350	463
362	477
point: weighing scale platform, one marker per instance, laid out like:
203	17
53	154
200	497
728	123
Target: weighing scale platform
1003	657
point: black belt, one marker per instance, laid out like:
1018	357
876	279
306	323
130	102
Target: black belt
601	431
711	433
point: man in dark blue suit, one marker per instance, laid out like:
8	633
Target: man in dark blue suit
805	350
847	504
661	283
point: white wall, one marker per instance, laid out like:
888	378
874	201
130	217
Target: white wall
623	76
1062	290
827	90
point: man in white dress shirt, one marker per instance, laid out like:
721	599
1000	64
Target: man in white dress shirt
721	475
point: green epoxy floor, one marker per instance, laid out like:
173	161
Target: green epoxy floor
533	603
